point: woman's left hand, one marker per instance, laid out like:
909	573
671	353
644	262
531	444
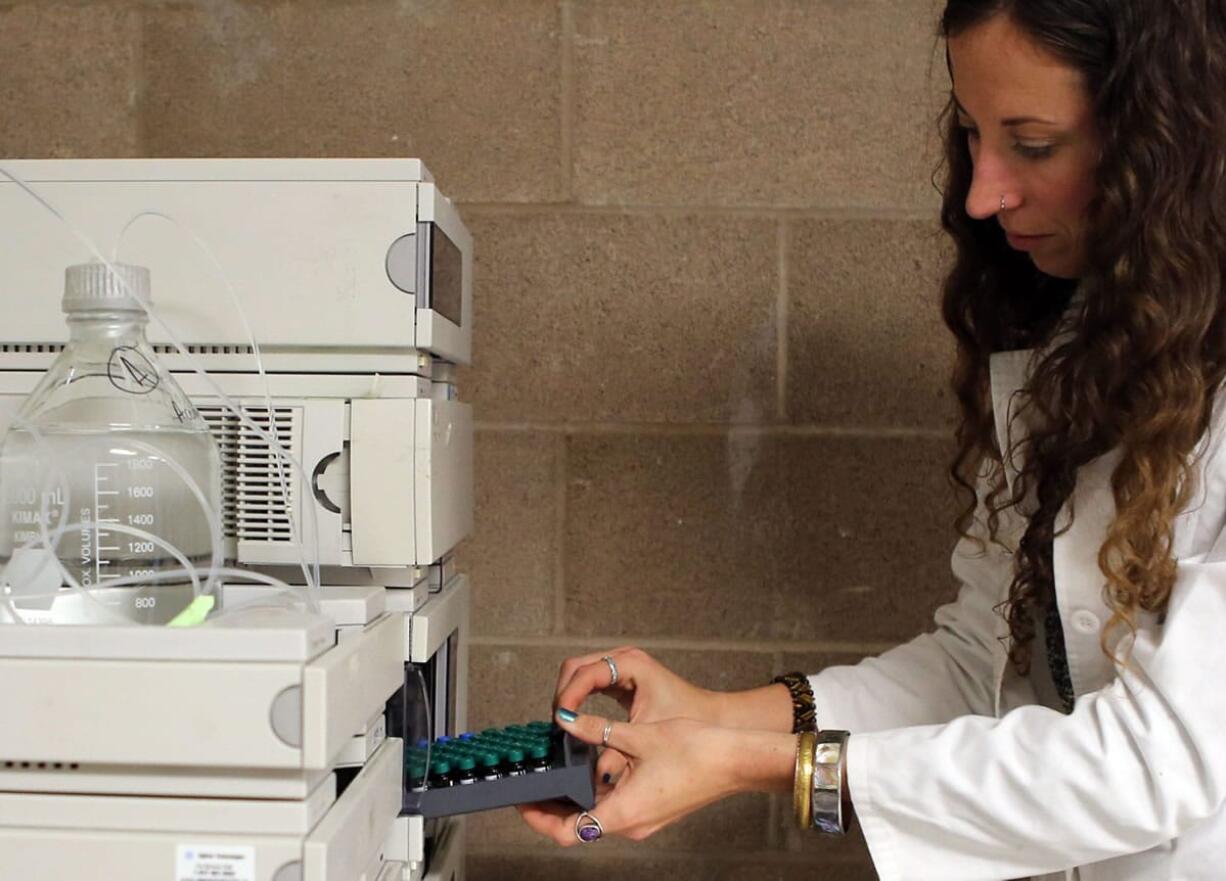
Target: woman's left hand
674	768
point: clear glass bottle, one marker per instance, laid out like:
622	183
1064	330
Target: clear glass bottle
109	443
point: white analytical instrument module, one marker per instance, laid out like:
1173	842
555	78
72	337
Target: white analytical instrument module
260	746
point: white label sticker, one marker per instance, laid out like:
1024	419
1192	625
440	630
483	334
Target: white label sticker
215	862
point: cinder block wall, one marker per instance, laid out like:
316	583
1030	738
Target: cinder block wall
710	370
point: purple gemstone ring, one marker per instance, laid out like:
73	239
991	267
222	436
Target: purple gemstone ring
588	828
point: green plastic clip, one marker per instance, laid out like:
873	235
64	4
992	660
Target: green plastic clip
194	614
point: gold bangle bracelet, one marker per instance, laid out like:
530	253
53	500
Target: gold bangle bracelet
802	780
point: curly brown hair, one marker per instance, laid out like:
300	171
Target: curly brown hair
1134	361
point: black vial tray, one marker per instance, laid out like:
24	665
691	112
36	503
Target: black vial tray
571	777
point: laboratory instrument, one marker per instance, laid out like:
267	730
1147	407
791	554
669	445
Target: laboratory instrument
328	302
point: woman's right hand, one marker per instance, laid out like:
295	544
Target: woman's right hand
646	689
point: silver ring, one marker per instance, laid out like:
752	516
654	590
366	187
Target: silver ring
612	669
588	828
608	730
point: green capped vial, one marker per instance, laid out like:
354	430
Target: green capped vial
538	758
489	766
515	763
440	774
466	772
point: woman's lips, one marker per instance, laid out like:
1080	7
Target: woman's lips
1024	243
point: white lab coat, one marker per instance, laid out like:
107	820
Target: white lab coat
957	774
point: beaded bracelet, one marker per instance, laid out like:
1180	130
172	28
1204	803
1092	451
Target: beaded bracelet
804	712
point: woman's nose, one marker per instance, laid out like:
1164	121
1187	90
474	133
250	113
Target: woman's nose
991	190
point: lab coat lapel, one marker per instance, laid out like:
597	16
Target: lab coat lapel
1079	581
1008	372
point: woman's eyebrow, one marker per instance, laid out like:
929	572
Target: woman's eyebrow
1011	121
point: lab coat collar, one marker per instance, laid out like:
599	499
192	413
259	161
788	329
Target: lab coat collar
1009	372
1079	581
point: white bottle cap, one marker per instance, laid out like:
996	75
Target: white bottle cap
96	286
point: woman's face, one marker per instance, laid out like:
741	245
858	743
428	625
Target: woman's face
1030	129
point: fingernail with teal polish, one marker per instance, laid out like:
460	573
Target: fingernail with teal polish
567	715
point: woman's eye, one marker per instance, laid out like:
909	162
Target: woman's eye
1034	151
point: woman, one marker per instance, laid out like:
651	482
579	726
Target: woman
1068	714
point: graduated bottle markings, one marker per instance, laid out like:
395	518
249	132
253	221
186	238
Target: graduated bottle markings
109	480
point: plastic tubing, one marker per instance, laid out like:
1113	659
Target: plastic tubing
81	526
51	539
52	544
89	244
283	454
312	576
425	702
226	571
213	521
45	510
259	577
